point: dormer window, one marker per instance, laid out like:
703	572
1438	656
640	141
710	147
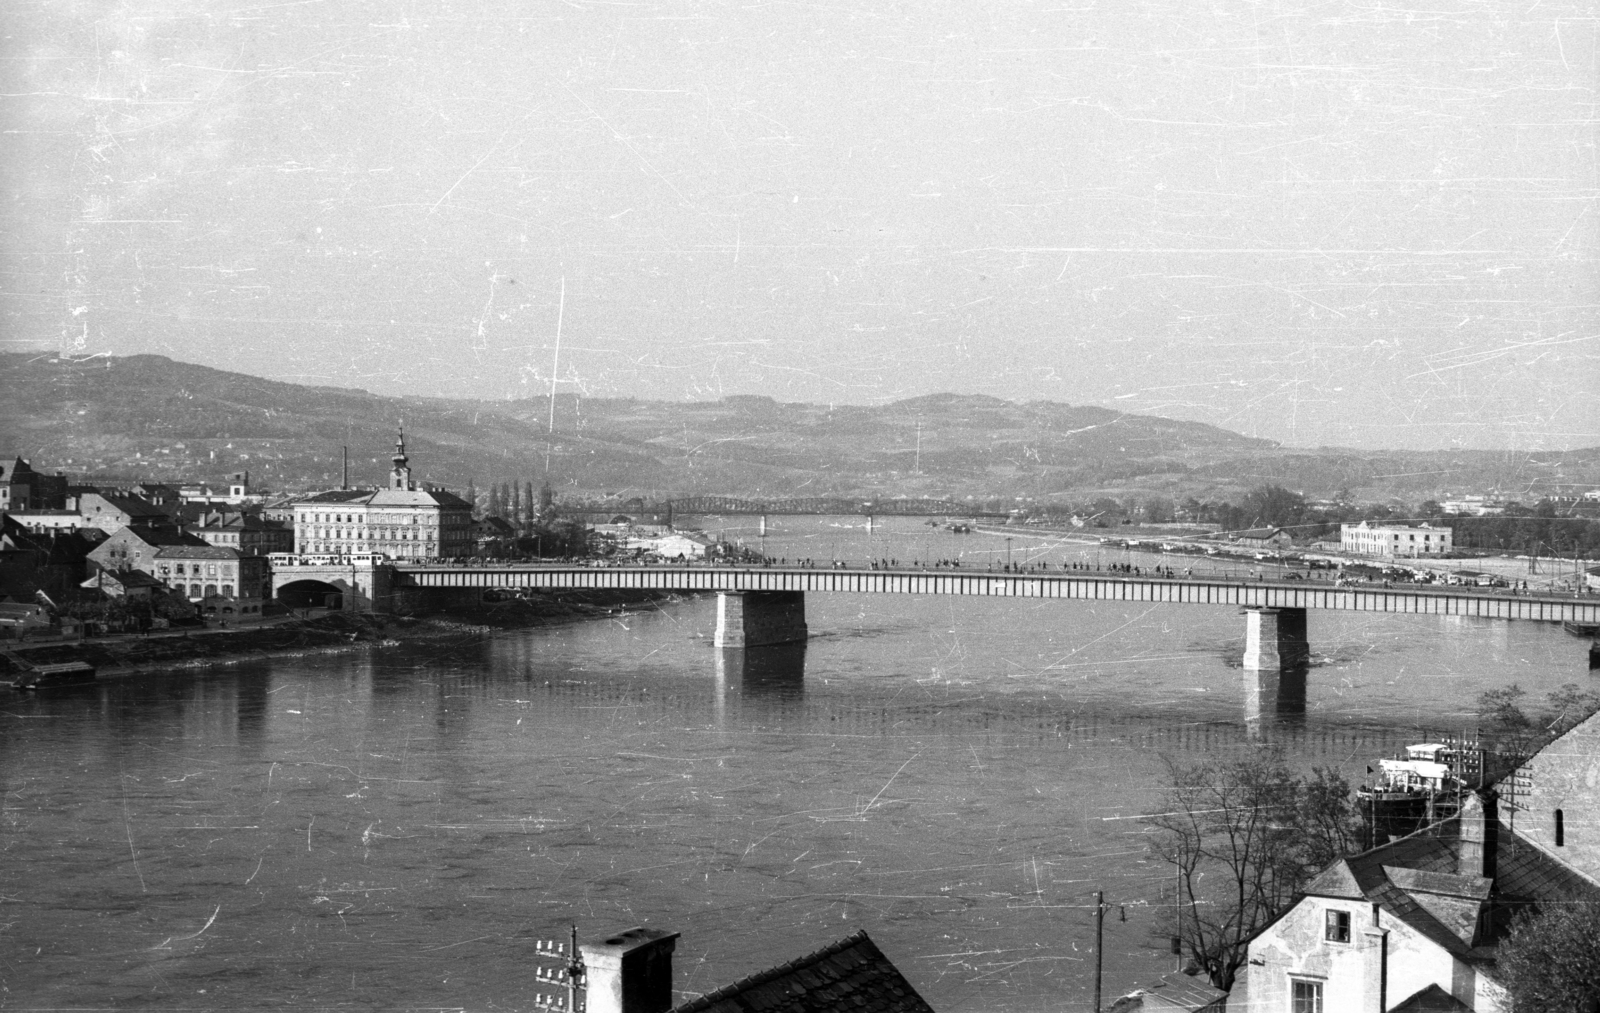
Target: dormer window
1336	927
1561	829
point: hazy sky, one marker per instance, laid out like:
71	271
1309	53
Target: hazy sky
1325	223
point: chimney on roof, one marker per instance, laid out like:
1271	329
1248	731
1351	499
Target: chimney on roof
630	972
1375	965
1477	836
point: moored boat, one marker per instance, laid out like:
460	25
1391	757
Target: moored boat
55	676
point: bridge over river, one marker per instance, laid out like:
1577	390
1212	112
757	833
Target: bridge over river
764	605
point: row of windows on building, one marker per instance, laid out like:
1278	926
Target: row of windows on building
206	590
330	518
391	534
211	570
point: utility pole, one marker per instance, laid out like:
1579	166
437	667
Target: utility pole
1099	943
1177	910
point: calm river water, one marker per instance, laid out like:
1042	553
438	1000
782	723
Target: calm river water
395	829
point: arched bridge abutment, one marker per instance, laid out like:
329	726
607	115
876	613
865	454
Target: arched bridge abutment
307	593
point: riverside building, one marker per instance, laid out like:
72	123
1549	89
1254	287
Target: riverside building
1394	540
402	521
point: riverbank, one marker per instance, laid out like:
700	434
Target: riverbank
328	633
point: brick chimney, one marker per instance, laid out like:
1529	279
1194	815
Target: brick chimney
630	972
1477	836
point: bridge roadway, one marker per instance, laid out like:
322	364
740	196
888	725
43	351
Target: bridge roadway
1072	584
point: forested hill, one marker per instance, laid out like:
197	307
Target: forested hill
148	416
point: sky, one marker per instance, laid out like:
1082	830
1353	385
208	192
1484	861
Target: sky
1333	223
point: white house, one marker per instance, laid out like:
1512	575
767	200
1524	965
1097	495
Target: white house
1414	924
1399	540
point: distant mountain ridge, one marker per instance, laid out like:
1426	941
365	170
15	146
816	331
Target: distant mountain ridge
151	416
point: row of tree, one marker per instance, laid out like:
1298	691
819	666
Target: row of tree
516	503
1535	530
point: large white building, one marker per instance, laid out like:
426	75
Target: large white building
1395	540
402	521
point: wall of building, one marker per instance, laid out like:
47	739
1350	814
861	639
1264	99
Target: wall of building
400	531
1394	540
1295	947
1564	777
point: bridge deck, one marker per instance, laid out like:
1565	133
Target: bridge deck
1068	584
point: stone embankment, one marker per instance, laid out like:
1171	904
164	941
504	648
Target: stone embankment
330	633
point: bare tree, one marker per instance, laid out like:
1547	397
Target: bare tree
1245	836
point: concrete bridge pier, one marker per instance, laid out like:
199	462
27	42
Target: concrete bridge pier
760	618
1275	638
1277	656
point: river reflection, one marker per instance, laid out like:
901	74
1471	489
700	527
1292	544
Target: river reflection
394	829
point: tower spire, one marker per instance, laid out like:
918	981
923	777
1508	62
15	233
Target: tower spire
400	477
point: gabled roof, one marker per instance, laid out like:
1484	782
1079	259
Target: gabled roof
1417	877
851	974
1432	999
1259	533
14	469
133	506
159	536
122	578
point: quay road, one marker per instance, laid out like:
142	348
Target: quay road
1094	585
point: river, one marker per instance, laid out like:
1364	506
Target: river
395	829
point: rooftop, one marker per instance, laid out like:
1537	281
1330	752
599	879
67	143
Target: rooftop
196	552
851	974
1419	879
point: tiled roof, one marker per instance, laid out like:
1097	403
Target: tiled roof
335	496
133	506
1177	993
387	497
238	522
196	552
417	497
124	578
851	974
1525	876
1432	999
161	536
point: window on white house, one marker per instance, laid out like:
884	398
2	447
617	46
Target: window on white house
1305	996
1337	927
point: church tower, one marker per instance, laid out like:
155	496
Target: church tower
400	477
